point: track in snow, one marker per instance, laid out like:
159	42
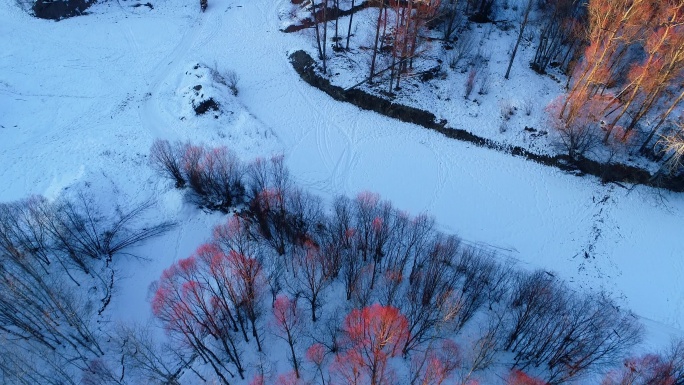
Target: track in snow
538	215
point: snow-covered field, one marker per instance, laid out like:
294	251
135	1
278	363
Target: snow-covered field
81	101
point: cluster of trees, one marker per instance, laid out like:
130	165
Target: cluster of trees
624	60
628	80
559	35
565	332
399	31
400	28
662	369
359	293
56	279
381	290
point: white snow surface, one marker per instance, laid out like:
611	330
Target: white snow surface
81	101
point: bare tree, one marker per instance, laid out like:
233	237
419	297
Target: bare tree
238	270
481	279
337	238
311	275
449	12
289	326
436	365
480	353
319	15
521	30
428	301
567	333
145	359
673	148
193	305
374	334
351	18
32	364
561	30
56	279
166	160
378	25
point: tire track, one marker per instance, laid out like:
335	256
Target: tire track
339	158
150	115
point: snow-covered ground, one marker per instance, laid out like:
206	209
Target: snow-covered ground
81	101
509	112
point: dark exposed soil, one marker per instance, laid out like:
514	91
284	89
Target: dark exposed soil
60	9
206	105
148	5
480	18
305	66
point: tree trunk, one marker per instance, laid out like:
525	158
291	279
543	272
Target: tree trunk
375	44
667	113
318	33
523	24
351	17
325	34
337	22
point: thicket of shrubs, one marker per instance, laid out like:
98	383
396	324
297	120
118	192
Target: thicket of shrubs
358	292
57	274
214	175
361	253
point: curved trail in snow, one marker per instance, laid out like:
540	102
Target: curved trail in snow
150	114
540	216
73	113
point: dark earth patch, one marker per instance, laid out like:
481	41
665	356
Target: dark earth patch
60	9
206	105
148	5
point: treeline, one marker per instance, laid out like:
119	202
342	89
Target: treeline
623	60
374	283
628	80
399	32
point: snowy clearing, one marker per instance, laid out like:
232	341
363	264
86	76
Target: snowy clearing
81	101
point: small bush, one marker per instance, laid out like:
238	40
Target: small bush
192	155
58	10
527	106
507	110
232	80
215	175
462	47
480	59
579	134
222	175
518	377
484	83
470	81
165	159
